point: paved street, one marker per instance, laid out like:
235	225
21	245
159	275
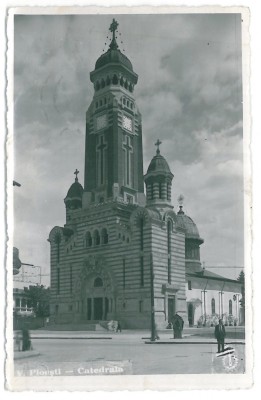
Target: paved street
144	359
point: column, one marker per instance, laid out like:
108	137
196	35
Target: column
92	305
149	191
202	303
103	308
169	191
164	190
155	190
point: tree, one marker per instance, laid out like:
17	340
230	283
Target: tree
241	279
39	298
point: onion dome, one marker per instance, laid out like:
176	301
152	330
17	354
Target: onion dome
158	181
185	222
119	63
158	165
113	56
73	199
192	240
16	261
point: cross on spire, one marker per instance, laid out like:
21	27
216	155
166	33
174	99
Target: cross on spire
76	172
158	143
113	27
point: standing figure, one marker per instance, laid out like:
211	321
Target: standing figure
220	334
118	327
26	340
177	323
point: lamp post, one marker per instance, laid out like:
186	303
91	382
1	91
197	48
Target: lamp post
153	328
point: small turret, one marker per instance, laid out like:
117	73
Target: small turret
158	181
73	199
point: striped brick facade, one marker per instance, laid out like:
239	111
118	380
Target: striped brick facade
123	264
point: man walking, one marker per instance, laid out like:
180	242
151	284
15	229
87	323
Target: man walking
220	334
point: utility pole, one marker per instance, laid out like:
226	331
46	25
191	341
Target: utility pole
153	330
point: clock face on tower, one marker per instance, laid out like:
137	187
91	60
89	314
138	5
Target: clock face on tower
101	121
127	123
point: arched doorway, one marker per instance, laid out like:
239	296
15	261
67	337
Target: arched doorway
96	299
94	291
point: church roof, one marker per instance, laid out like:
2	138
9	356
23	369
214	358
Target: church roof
159	164
76	190
187	223
113	56
204	273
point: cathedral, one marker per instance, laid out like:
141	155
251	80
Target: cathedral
123	254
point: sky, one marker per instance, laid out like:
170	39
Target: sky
189	93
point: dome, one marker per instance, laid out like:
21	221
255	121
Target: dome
114	56
159	164
75	191
185	222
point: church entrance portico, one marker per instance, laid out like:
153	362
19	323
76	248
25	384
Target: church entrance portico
95	291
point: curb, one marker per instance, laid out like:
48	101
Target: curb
24	354
70	337
189	342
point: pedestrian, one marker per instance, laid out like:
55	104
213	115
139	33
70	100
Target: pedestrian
118	327
220	334
177	324
26	340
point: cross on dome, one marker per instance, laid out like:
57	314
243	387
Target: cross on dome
158	143
76	172
113	27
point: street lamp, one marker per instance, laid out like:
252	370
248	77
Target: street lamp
153	327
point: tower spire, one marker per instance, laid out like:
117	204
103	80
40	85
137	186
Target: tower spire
76	172
113	27
158	143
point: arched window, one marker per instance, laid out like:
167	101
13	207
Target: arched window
96	238
108	81
130	87
126	85
98	282
97	85
102	83
88	239
230	307
213	306
104	236
115	80
121	81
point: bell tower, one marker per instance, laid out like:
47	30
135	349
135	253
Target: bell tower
113	146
